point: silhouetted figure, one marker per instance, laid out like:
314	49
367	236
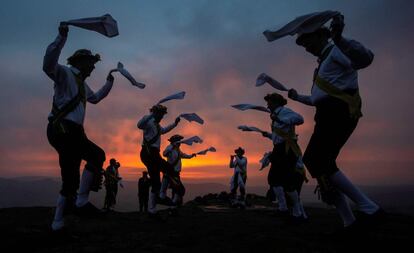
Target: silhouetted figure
174	156
150	153
112	179
143	191
65	130
282	175
239	178
335	94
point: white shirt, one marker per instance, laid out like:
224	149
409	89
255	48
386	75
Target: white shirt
65	86
287	120
148	124
339	68
239	164
336	69
173	154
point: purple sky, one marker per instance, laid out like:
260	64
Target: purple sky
213	50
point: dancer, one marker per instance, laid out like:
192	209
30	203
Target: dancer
239	178
174	156
143	192
65	130
284	156
335	95
150	153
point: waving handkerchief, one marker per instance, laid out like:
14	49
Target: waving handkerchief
192	117
179	95
265	161
244	107
128	76
104	25
302	24
203	152
250	129
191	140
261	79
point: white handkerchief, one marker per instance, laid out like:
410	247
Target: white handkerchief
104	25
191	140
302	24
260	80
265	161
192	117
179	95
275	84
128	76
203	152
250	129
244	107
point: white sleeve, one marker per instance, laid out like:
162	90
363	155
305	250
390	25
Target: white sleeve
50	60
168	128
142	123
290	117
185	156
95	97
360	56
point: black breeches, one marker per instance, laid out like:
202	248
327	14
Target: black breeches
282	169
143	202
152	159
73	146
333	127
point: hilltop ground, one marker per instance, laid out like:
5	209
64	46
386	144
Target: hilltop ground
203	225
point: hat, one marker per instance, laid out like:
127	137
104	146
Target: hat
83	54
303	24
175	138
322	31
239	150
275	98
159	109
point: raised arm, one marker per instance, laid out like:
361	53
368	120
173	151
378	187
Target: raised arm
170	127
267	135
186	156
360	56
95	97
50	61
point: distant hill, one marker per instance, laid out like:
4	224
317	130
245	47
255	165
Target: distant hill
42	191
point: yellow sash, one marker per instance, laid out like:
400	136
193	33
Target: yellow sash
353	101
289	138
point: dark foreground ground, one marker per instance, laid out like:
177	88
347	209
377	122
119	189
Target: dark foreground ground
206	225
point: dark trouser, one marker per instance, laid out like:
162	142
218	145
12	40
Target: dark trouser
282	168
73	146
333	127
178	188
152	159
236	185
298	180
110	197
143	202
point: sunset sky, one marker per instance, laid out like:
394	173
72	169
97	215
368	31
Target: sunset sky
214	51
